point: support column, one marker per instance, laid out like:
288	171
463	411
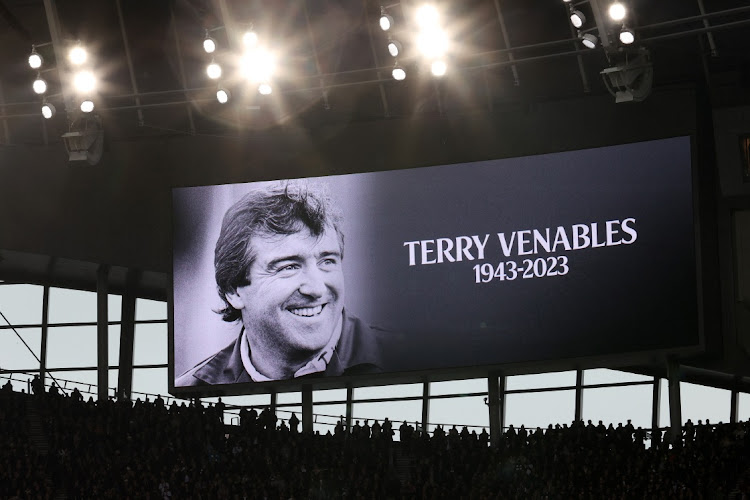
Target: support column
675	410
349	406
127	337
307	409
274	400
102	332
579	396
496	406
425	405
734	406
656	404
45	331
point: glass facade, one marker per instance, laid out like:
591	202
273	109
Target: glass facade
535	400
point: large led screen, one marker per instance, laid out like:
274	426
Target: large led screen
558	256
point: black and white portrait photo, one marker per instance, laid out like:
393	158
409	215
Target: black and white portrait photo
555	256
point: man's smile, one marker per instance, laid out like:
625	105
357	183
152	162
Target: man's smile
307	312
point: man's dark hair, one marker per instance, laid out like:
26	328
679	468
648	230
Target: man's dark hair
281	209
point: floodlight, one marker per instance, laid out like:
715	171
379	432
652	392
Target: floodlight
386	21
631	80
223	95
84	82
77	55
617	11
87	106
85	141
627	36
213	71
250	39
264	89
48	110
577	18
438	68
432	42
398	72
39	85
257	65
209	44
394	47
427	16
35	60
589	40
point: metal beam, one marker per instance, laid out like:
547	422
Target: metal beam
506	39
326	105
6	131
181	67
127	336
129	60
383	99
102	333
58	44
599	9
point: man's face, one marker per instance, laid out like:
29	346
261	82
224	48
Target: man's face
296	292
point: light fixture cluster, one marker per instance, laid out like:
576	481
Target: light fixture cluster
84	81
36	61
432	40
617	12
256	65
395	48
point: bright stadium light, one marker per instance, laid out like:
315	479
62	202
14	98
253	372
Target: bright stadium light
398	72
84	82
438	68
432	42
577	18
386	21
589	40
77	55
394	47
209	44
35	60
48	110
213	71
265	89
39	85
250	39
257	65
427	16
223	95
617	11
627	36
87	106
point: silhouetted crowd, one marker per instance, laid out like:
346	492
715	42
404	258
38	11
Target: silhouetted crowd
62	444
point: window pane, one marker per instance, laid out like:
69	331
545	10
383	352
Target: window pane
664	403
703	402
613	405
388	391
19	381
395	411
249	401
458	387
150	309
470	411
329	395
743	406
540	409
326	416
150	344
84	380
14	354
149	382
541	380
21	304
71	306
71	346
114	307
288	397
606	376
114	345
286	413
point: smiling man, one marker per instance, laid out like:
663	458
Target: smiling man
279	270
